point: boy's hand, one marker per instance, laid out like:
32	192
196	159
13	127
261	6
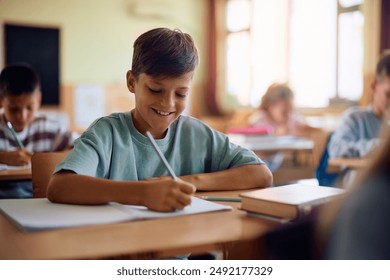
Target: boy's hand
18	157
165	194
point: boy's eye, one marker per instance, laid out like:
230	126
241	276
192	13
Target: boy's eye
154	90
181	95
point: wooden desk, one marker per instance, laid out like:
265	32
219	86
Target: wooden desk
354	163
237	235
15	174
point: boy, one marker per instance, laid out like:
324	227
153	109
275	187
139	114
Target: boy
358	132
114	161
20	98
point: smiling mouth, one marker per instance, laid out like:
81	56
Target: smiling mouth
162	113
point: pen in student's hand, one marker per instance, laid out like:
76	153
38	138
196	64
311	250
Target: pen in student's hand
11	128
227	199
161	156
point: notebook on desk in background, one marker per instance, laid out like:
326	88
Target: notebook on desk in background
41	214
289	201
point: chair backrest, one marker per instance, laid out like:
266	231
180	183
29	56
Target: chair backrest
42	167
324	177
320	137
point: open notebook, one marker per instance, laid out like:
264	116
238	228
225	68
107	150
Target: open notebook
41	214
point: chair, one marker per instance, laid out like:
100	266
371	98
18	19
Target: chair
320	138
42	167
324	177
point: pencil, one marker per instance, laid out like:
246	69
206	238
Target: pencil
161	156
227	199
11	128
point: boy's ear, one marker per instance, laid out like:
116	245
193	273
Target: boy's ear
130	81
38	98
373	85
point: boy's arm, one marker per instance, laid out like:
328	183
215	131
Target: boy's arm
16	158
161	195
237	178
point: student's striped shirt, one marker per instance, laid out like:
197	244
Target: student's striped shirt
42	135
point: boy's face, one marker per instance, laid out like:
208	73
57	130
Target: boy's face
20	110
158	101
381	101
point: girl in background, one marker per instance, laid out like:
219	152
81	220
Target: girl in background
276	110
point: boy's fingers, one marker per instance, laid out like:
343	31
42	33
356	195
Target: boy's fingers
24	152
187	188
183	200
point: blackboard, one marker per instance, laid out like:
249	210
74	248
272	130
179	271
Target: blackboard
39	47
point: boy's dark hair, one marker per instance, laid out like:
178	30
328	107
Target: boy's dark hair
383	66
164	52
18	79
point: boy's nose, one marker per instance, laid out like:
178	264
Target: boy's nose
168	101
23	115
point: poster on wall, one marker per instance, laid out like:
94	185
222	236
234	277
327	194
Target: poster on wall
88	104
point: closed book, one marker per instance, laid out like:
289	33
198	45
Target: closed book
289	201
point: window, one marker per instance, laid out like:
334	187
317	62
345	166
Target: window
350	50
315	46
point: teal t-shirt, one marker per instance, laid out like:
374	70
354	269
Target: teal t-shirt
113	148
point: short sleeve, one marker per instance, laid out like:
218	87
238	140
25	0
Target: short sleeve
91	153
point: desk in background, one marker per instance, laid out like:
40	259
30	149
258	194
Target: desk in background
15	174
298	163
233	232
353	163
265	143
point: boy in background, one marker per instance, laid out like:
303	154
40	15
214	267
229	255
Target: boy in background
358	132
113	160
20	98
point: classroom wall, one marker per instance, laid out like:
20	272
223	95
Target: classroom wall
97	35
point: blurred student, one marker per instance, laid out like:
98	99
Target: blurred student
113	160
277	115
358	131
277	111
352	227
360	229
20	98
